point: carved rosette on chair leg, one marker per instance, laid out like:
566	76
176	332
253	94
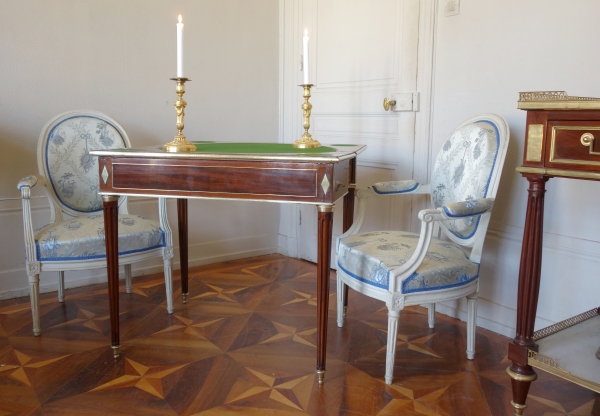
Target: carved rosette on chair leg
111	238
529	282
183	245
325	220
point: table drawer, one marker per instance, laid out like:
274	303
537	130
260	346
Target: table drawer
574	143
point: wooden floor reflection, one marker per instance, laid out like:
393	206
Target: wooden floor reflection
245	344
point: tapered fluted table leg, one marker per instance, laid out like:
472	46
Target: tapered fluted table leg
520	372
182	223
349	215
111	236
323	267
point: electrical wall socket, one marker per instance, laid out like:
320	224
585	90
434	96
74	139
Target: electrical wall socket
452	8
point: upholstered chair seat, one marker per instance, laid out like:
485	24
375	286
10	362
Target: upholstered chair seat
82	238
374	254
440	263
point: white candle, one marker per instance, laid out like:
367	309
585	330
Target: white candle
305	57
179	48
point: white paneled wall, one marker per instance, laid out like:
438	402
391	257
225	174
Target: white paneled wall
117	57
484	57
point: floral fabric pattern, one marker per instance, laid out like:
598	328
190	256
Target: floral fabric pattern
370	256
72	171
83	237
463	169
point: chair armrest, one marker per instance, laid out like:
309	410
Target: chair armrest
30	182
469	208
399	187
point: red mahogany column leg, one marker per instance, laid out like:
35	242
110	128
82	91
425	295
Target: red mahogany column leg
529	285
182	224
349	215
111	238
323	268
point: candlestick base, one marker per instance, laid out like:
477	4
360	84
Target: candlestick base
306	141
179	143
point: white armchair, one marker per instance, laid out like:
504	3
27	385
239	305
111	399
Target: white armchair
402	268
74	238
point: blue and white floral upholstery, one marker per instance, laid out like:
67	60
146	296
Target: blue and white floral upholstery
463	170
69	167
82	238
71	178
370	256
403	268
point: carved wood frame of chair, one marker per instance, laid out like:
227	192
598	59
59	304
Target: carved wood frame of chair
74	238
389	267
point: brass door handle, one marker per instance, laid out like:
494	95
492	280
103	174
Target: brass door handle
387	103
587	139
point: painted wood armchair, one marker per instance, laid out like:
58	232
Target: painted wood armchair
402	268
74	238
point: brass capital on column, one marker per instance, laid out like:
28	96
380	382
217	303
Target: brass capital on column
109	198
325	208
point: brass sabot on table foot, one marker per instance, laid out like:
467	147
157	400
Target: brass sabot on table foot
321	376
179	143
519	408
184	297
116	350
306	141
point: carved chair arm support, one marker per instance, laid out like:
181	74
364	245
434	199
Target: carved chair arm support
29	182
25	186
164	221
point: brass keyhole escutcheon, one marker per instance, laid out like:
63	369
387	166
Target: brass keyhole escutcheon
387	104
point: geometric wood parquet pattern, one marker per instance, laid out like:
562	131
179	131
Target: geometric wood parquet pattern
245	344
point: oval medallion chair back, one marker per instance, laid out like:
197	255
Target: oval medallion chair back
440	263
74	237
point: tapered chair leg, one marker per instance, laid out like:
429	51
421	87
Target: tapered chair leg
169	282
431	315
471	324
392	336
341	295
61	286
127	268
34	294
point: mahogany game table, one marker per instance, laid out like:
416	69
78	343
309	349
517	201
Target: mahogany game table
236	171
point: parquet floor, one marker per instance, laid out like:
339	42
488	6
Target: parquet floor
245	344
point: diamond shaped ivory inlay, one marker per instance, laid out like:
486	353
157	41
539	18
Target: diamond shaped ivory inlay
104	175
325	184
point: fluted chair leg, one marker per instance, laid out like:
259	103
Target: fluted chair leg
431	315
341	292
169	284
127	268
390	355
61	286
471	324
34	294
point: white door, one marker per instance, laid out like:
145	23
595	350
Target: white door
361	51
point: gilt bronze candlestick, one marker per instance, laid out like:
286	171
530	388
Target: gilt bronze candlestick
306	141
179	143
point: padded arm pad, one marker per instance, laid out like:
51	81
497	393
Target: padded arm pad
468	208
395	187
28	181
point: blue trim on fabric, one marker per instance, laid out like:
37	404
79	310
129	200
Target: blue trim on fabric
396	192
448	214
370	282
46	156
428	289
99	256
487	185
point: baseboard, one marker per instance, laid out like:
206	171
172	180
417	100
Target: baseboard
199	254
491	316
